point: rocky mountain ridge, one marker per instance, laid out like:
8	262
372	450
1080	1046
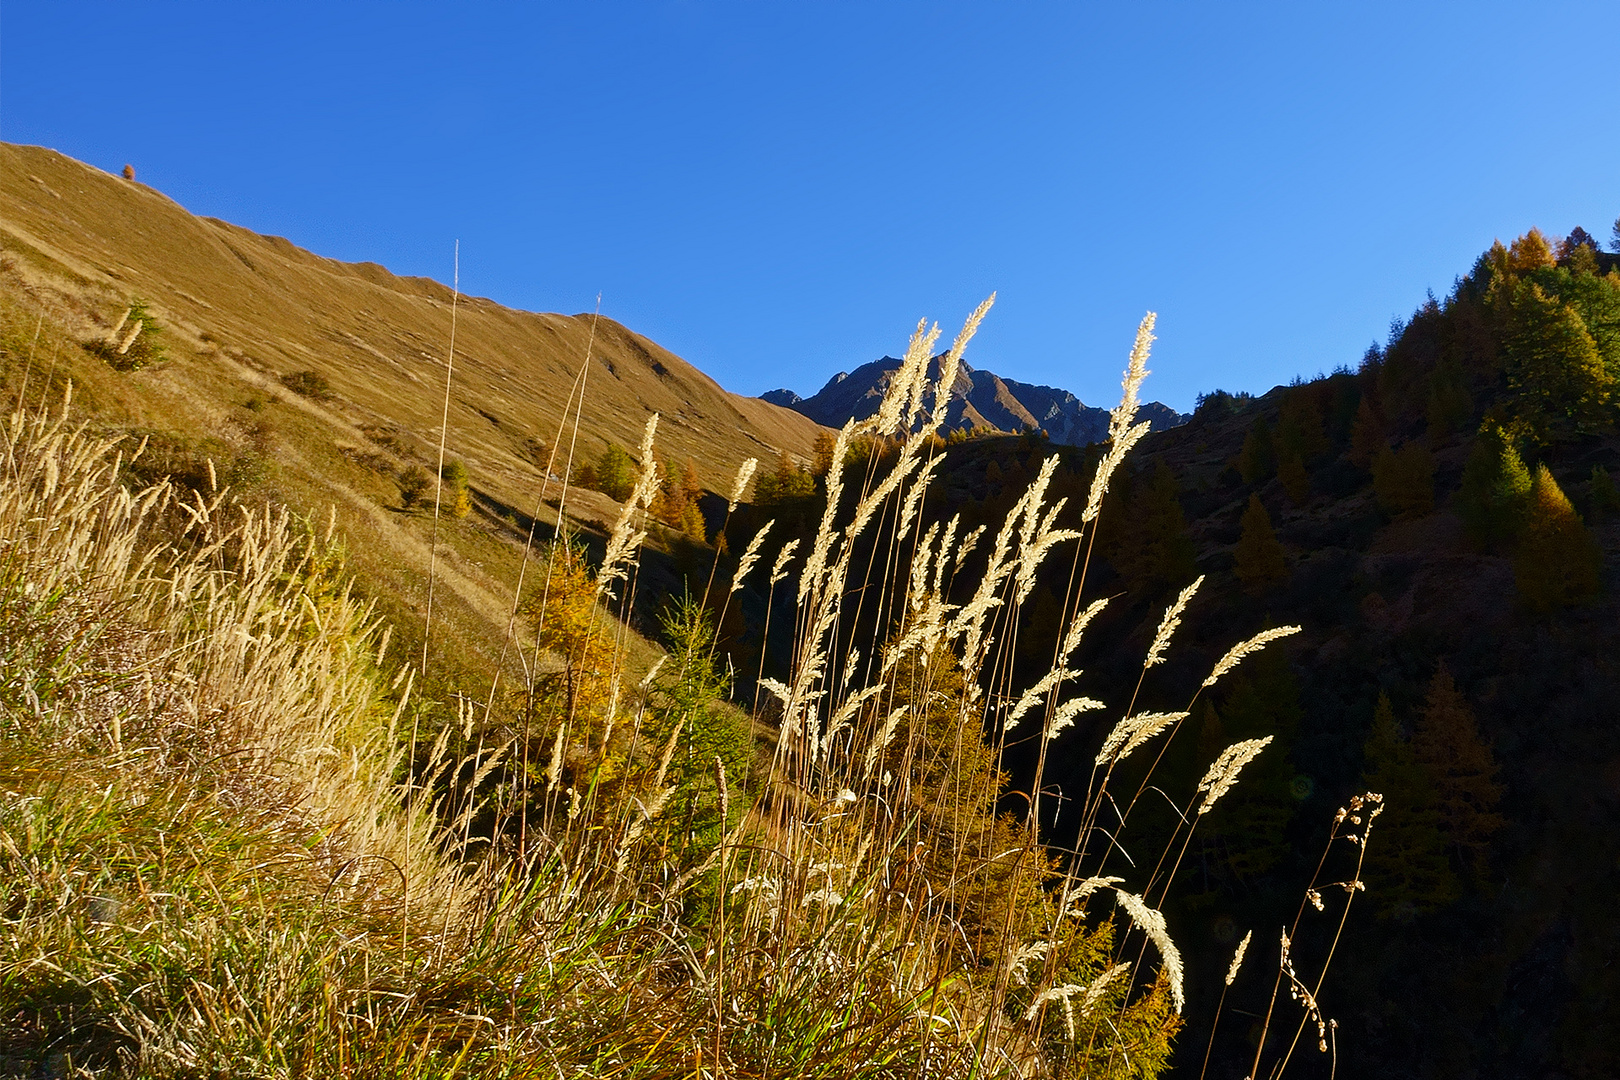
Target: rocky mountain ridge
980	400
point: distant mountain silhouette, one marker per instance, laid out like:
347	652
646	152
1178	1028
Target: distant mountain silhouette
980	399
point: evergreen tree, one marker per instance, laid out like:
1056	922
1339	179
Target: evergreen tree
1447	744
1558	562
615	474
1602	498
1495	489
1404	480
1556	376
784	484
688	705
676	503
1530	252
821	464
1366	434
1296	481
414	484
1252	825
1258	559
1150	545
1300	428
457	501
561	604
1449	407
1258	459
1407	871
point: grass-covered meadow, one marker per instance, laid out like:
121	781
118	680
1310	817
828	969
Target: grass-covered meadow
236	839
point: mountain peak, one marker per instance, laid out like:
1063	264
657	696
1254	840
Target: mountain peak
980	400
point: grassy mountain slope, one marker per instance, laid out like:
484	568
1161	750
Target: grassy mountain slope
242	312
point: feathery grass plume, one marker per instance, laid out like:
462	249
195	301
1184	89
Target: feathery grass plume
1237	958
826	541
1080	890
1117	450
1132	732
1236	654
885	736
1032	697
1151	923
625	540
112	335
638	828
783	557
129	338
1223	774
739	486
554	769
1066	714
1088	1001
1167	626
1135	372
921	563
750	555
951	364
904	394
946	540
1023	956
1151	724
1077	628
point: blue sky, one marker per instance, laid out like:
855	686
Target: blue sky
778	191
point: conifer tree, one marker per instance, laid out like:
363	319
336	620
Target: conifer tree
1300	427
1366	434
1296	481
1150	545
1407	869
821	463
1556	375
1404	480
1558	562
1447	744
1449	407
1495	489
1532	251
457	497
1602	498
1263	700
1258	559
1258	459
615	474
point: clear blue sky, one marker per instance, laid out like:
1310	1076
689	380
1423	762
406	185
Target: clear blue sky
777	191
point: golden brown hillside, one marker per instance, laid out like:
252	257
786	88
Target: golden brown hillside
241	311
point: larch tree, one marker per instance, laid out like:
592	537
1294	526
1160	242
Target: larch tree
1151	547
1258	458
1366	434
1495	491
1462	771
1404	480
1258	559
1408	871
1296	480
1558	562
1556	376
